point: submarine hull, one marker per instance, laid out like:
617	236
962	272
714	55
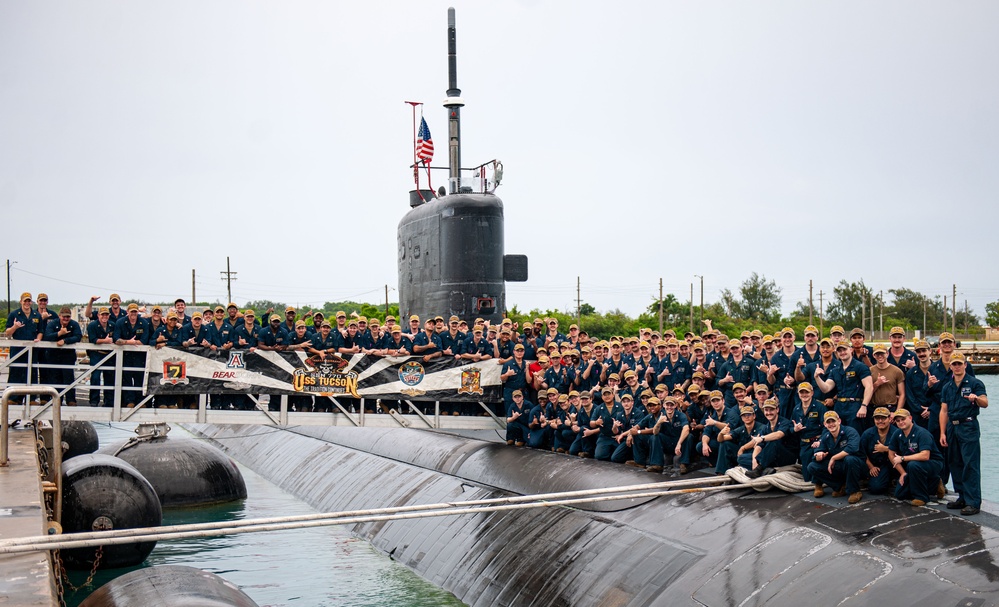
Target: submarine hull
740	547
168	586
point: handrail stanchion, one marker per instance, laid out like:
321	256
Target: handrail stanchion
27	391
118	380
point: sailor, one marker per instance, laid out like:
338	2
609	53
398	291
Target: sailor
762	363
657	368
114	311
735	444
771	448
414	326
888	382
632	415
898	354
644	443
132	330
672	438
181	307
300	341
780	373
155	321
63	331
327	342
553	335
916	459
917	391
341	323
807	374
317	323
875	444
852	381
678	366
397	344
837	334
738	370
232	314
289	320
608	417
586	374
503	348
564	421
22	324
427	343
864	354
169	333
837	460
517	413
541	434
476	347
219	330
514	375
246	334
101	332
961	399
716	420
45	313
195	335
807	420
558	375
273	336
586	436
809	353
530	346
615	363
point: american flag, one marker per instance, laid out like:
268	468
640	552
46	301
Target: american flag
424	144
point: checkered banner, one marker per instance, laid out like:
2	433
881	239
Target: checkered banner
198	371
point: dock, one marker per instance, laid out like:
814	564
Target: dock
27	579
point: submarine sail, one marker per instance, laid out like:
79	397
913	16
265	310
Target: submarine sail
451	247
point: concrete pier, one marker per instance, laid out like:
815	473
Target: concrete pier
25	579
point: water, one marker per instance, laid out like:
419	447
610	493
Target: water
989	421
322	566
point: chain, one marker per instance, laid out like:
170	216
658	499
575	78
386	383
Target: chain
62	578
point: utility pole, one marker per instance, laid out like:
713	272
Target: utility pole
228	276
924	319
953	311
691	307
881	309
579	303
945	315
194	295
863	309
810	302
8	288
701	314
386	299
965	316
872	313
820	313
660	306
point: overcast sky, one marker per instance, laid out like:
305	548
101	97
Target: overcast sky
139	141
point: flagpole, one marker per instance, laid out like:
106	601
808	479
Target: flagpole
416	169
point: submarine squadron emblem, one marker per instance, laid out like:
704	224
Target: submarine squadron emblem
471	381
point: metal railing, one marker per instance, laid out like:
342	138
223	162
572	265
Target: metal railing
401	413
28	391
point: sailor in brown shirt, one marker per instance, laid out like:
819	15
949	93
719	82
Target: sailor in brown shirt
889	381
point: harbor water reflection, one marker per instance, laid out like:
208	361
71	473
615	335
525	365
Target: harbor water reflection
322	566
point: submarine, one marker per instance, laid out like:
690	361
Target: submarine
714	549
451	254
